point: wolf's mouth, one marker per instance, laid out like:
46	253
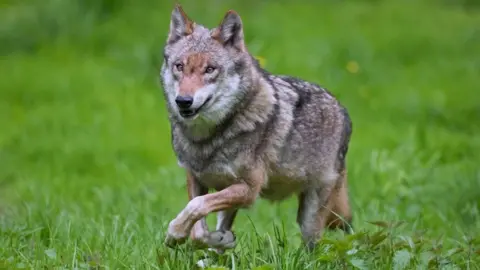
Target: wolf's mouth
189	113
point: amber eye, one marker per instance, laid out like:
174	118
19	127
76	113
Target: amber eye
179	67
209	70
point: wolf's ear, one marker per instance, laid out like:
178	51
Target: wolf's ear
230	31
180	25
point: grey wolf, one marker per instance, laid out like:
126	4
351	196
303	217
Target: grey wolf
246	133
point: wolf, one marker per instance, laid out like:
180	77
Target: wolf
246	134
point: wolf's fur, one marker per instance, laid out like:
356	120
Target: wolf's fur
256	134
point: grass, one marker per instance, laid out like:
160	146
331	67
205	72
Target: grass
88	178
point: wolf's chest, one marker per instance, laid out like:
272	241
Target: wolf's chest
275	187
217	181
217	174
279	187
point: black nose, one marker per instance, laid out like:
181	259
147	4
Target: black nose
184	102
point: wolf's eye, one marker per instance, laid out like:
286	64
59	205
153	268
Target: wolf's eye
179	67
209	69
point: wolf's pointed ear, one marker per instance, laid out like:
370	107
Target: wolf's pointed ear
180	25
230	31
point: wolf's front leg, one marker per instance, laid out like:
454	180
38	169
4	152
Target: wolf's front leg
200	229
241	194
223	238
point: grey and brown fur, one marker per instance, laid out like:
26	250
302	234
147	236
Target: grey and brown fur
255	135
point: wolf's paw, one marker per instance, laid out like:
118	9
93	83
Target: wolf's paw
217	241
172	241
221	240
175	235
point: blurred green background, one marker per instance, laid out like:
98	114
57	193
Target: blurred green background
86	165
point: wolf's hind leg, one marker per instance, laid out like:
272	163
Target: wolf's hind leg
341	216
313	210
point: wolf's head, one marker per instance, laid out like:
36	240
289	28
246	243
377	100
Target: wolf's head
205	73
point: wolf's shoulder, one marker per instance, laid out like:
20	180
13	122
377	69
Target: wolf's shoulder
306	91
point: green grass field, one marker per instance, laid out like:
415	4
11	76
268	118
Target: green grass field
88	179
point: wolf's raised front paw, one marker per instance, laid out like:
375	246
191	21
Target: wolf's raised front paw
175	235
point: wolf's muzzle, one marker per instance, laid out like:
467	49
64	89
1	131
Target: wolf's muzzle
184	102
185	108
